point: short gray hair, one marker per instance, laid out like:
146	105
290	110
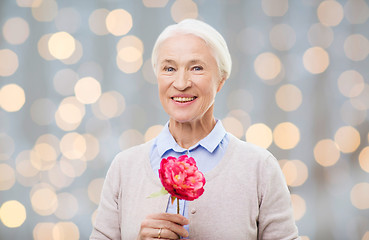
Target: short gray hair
206	32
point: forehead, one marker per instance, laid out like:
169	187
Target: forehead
184	45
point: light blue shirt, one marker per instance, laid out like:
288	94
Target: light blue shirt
207	153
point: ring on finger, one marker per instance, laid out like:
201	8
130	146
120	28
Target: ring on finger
159	233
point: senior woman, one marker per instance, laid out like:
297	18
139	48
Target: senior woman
245	193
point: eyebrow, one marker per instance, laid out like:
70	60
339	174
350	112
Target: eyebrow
194	61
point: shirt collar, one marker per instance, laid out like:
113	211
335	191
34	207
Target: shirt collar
165	140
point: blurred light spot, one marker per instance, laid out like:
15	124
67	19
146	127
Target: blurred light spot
320	35
67	206
129	67
295	172
43	47
350	83
92	147
61	45
129	54
65	231
360	195
148	72
76	56
250	40
356	12
267	66
288	97
43	111
241	116
364	159
259	134
152	132
274	8
16	30
356	47
43	156
110	104
233	126
72	168
69	114
347	139
240	99
24	166
93	217
326	152
330	13
282	37
130	138
57	177
7	177
94	190
119	22
73	145
68	20
12	214
43	199
182	9
286	135
316	60
87	90
46	11
28	3
361	102
12	98
8	62
299	206
91	69
6	146
155	4
130	45
352	116
43	231
96	21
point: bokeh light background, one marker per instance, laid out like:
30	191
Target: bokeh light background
76	87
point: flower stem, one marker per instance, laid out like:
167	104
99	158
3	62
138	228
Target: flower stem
177	205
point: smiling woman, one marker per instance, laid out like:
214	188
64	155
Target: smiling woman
192	62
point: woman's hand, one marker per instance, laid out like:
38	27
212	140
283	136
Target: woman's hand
163	226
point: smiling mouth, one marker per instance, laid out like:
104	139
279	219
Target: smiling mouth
183	99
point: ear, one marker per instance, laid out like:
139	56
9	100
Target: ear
221	83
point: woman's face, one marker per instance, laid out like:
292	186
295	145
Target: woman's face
188	78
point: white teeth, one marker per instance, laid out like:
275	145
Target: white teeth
183	99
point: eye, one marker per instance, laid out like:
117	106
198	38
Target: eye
169	69
197	68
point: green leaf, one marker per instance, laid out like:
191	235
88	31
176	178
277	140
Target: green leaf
162	192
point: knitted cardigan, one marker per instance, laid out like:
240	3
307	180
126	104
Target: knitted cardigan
245	197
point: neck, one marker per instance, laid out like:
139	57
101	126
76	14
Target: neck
188	134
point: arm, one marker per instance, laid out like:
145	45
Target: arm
275	210
107	223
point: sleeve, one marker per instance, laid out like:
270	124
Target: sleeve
276	219
107	222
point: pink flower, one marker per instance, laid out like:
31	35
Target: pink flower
181	177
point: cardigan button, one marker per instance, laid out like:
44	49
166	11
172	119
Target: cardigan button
193	211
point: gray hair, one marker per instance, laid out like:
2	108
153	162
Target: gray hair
206	32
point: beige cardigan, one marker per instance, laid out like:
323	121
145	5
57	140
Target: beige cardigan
245	197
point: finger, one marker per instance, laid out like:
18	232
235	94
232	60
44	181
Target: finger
176	218
150	224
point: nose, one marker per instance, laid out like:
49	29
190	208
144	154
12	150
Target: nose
182	81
